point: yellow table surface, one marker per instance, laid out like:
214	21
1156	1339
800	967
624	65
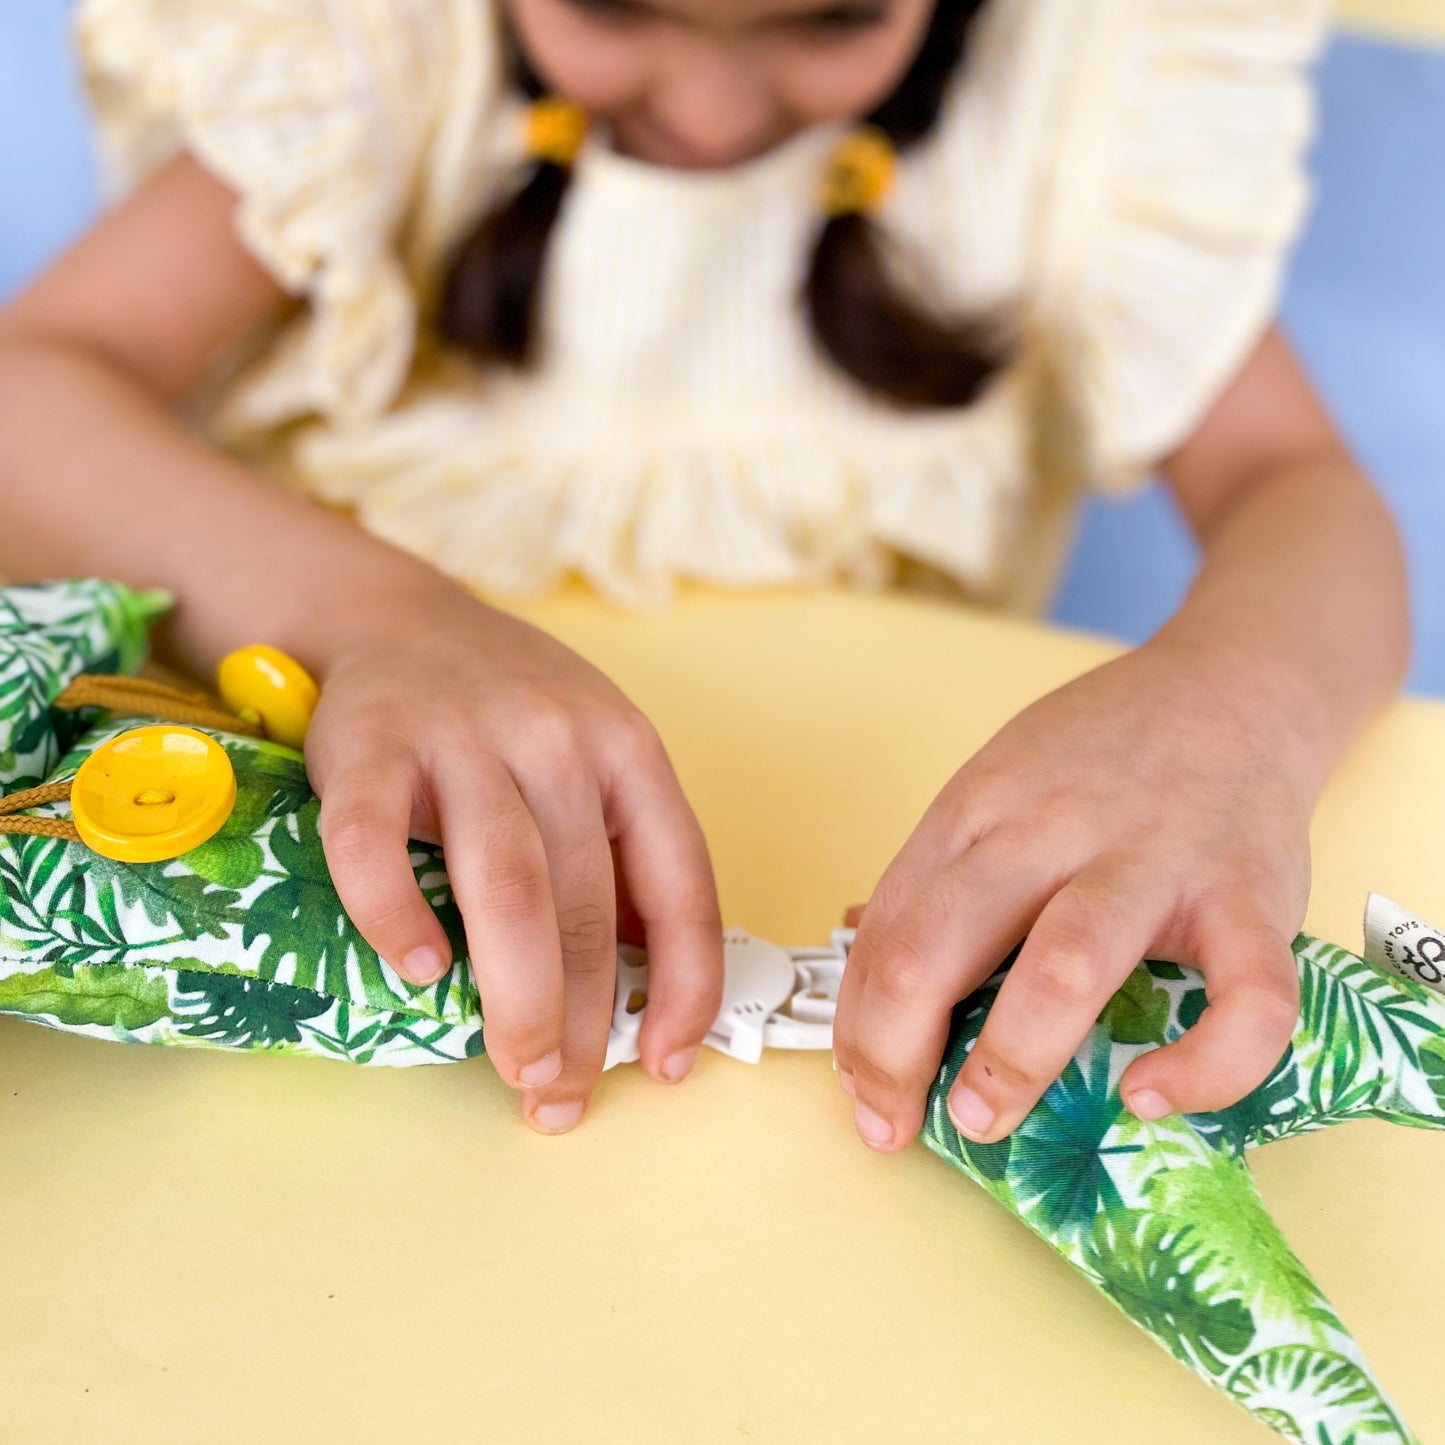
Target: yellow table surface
206	1247
1418	20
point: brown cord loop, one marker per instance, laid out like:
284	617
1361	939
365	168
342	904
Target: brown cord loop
37	827
141	697
41	828
135	696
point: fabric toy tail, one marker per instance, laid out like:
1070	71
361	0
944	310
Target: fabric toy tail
1368	1045
1165	1218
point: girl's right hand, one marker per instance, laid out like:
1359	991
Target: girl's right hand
444	720
440	719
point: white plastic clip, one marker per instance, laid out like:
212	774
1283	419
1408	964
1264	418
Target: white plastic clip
773	998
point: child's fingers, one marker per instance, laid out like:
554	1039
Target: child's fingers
568	813
498	869
366	810
1087	940
630	928
909	968
669	878
1253	986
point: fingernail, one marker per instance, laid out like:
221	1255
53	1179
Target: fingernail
676	1067
873	1129
846	1079
1146	1104
556	1118
542	1072
969	1112
422	965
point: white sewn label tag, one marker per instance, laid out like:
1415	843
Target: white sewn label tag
1399	942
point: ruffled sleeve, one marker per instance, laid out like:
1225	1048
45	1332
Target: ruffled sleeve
324	118
1179	189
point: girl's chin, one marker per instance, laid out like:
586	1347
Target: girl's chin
652	146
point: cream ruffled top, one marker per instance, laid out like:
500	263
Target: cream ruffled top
1121	177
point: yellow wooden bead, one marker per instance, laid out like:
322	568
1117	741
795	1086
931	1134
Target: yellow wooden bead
262	684
860	172
152	793
554	130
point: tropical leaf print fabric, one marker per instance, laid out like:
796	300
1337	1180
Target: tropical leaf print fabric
1164	1217
243	943
48	635
240	943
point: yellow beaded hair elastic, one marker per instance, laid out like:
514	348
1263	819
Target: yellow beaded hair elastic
860	172
554	130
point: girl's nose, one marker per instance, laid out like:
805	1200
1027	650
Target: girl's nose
715	105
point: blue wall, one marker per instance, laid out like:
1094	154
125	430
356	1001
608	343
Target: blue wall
1366	308
1366	302
46	176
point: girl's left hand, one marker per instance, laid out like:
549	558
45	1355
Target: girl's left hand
1157	807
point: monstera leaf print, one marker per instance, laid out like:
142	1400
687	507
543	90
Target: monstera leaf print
1157	1271
116	997
307	938
238	1011
1139	1012
1227	1219
1058	1165
1274	1383
307	935
75	899
48	635
1271	1112
271	781
51	909
1432	1065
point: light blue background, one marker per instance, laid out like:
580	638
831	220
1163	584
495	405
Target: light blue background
1365	306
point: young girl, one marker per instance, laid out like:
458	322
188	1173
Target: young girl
758	293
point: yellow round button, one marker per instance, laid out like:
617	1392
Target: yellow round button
152	793
262	684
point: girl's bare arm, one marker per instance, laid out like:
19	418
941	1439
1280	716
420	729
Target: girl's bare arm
440	718
1156	807
96	476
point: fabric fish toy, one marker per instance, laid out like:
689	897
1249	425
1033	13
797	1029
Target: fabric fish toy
241	942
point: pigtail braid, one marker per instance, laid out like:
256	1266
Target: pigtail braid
490	299
866	325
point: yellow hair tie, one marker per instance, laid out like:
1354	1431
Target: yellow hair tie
555	129
860	172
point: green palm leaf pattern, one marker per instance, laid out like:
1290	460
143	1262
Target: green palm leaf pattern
255	900
1273	1383
1432	1064
1165	1218
1139	1012
108	909
48	635
985	1164
1164	1278
1218	1201
122	998
1357	1020
1274	1110
239	1011
1057	1168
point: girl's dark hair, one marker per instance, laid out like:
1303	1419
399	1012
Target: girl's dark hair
868	327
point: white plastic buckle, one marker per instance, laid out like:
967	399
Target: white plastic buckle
773	997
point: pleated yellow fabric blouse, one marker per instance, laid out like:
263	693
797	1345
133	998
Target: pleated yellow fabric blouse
1121	178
